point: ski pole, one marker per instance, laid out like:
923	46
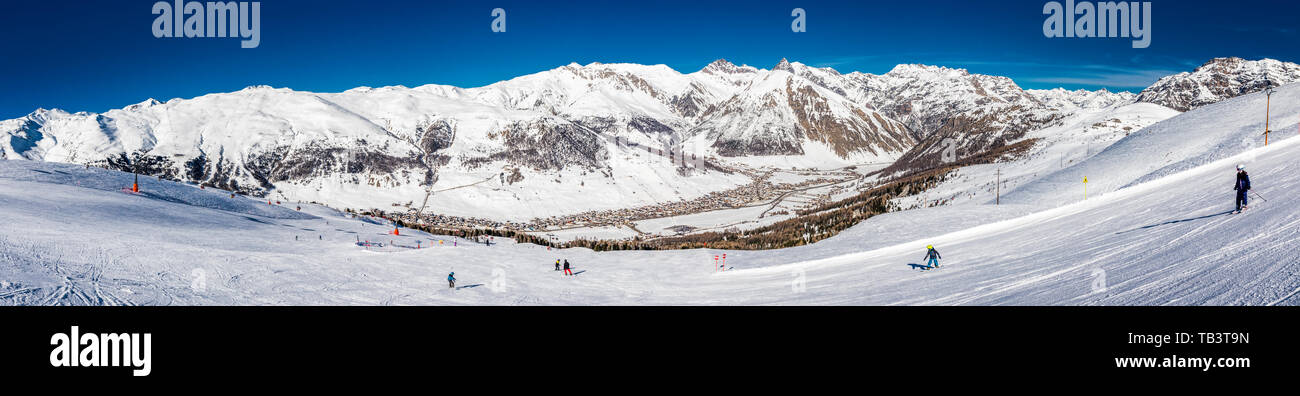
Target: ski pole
1257	196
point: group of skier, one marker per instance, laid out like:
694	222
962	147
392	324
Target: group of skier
560	265
568	271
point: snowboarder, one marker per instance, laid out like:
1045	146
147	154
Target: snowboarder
557	264
567	270
1242	186
451	280
933	257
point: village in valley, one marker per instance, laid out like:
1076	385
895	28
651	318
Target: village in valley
772	195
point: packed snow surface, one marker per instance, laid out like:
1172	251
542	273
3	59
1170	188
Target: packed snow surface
1168	241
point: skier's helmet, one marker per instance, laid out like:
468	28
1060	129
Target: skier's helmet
930	247
1241	167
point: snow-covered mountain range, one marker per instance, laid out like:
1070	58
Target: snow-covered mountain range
1158	229
601	131
1217	80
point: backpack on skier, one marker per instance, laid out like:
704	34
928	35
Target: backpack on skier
932	256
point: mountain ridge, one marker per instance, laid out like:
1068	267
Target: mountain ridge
614	120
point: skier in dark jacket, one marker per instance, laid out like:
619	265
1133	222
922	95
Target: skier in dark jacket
557	264
567	271
1242	186
451	280
933	256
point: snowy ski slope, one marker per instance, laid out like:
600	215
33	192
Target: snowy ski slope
1169	241
1158	233
1177	144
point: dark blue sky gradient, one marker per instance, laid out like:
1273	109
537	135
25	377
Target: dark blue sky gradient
98	55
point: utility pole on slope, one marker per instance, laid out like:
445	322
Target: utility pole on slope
1268	101
998	200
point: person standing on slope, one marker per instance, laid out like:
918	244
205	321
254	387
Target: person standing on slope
933	257
451	280
1242	187
567	270
557	264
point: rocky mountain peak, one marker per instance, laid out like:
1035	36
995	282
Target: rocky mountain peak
1217	80
721	66
784	65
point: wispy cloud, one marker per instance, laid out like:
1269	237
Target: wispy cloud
1117	80
1105	76
1100	75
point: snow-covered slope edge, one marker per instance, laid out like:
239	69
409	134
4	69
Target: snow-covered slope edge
1169	241
1076	138
1174	145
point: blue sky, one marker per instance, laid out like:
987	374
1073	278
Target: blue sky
98	55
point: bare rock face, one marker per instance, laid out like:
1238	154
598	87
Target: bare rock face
549	145
1218	80
956	116
437	136
784	110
